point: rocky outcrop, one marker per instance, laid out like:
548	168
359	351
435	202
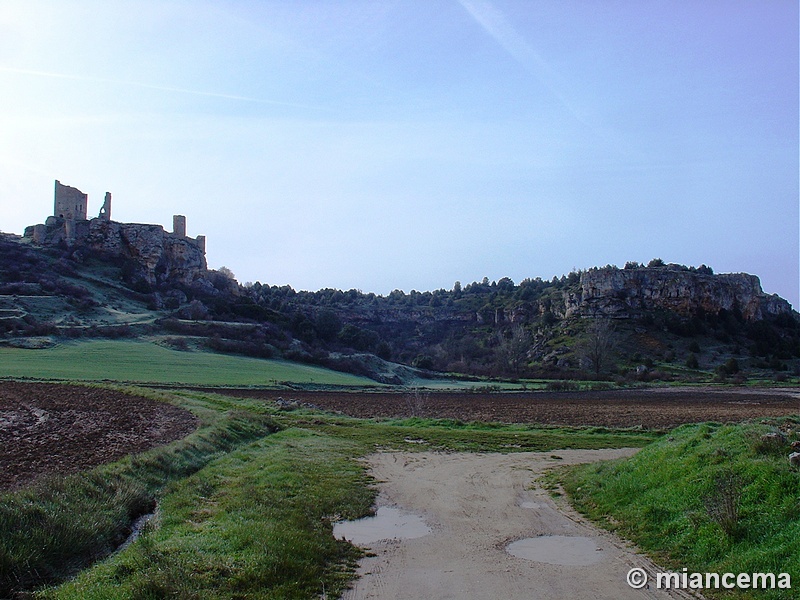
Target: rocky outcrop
622	293
155	256
161	256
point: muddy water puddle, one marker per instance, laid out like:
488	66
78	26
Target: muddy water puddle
388	524
532	505
558	550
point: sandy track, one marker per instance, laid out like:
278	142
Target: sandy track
476	504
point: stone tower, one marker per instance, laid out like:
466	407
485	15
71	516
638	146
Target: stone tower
70	203
179	226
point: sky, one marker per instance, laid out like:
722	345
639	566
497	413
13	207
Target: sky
409	144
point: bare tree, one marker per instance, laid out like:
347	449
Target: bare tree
226	272
416	401
512	352
596	348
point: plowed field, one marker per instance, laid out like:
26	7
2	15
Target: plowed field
648	408
48	428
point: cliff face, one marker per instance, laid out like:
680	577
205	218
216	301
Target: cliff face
157	255
160	255
621	293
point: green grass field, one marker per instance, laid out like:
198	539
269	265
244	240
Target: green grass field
144	362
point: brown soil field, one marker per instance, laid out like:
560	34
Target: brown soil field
656	408
61	429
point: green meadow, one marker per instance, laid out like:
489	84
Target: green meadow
709	497
146	362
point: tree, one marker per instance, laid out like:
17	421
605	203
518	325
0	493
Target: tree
226	272
328	325
598	345
512	352
196	311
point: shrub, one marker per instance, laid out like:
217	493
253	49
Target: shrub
722	503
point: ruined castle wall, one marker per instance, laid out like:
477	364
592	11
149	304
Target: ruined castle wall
70	203
105	210
157	256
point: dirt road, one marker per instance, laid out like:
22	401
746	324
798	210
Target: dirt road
475	505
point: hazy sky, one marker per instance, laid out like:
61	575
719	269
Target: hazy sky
409	144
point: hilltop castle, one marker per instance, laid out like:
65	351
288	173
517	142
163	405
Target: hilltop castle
159	255
71	225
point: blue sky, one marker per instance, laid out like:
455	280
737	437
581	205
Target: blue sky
409	144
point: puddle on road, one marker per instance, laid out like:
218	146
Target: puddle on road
557	550
534	505
387	524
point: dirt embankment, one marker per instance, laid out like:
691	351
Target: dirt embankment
658	408
61	429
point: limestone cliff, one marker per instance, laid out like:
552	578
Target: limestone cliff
155	255
161	256
622	293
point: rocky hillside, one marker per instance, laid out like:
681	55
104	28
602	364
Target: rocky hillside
666	321
659	313
633	291
152	255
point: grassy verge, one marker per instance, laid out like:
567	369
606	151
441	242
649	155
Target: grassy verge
144	362
709	497
459	436
255	523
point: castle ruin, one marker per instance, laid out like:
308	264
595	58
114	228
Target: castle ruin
159	253
70	224
70	203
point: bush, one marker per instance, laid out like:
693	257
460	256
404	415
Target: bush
722	503
731	367
423	362
254	349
